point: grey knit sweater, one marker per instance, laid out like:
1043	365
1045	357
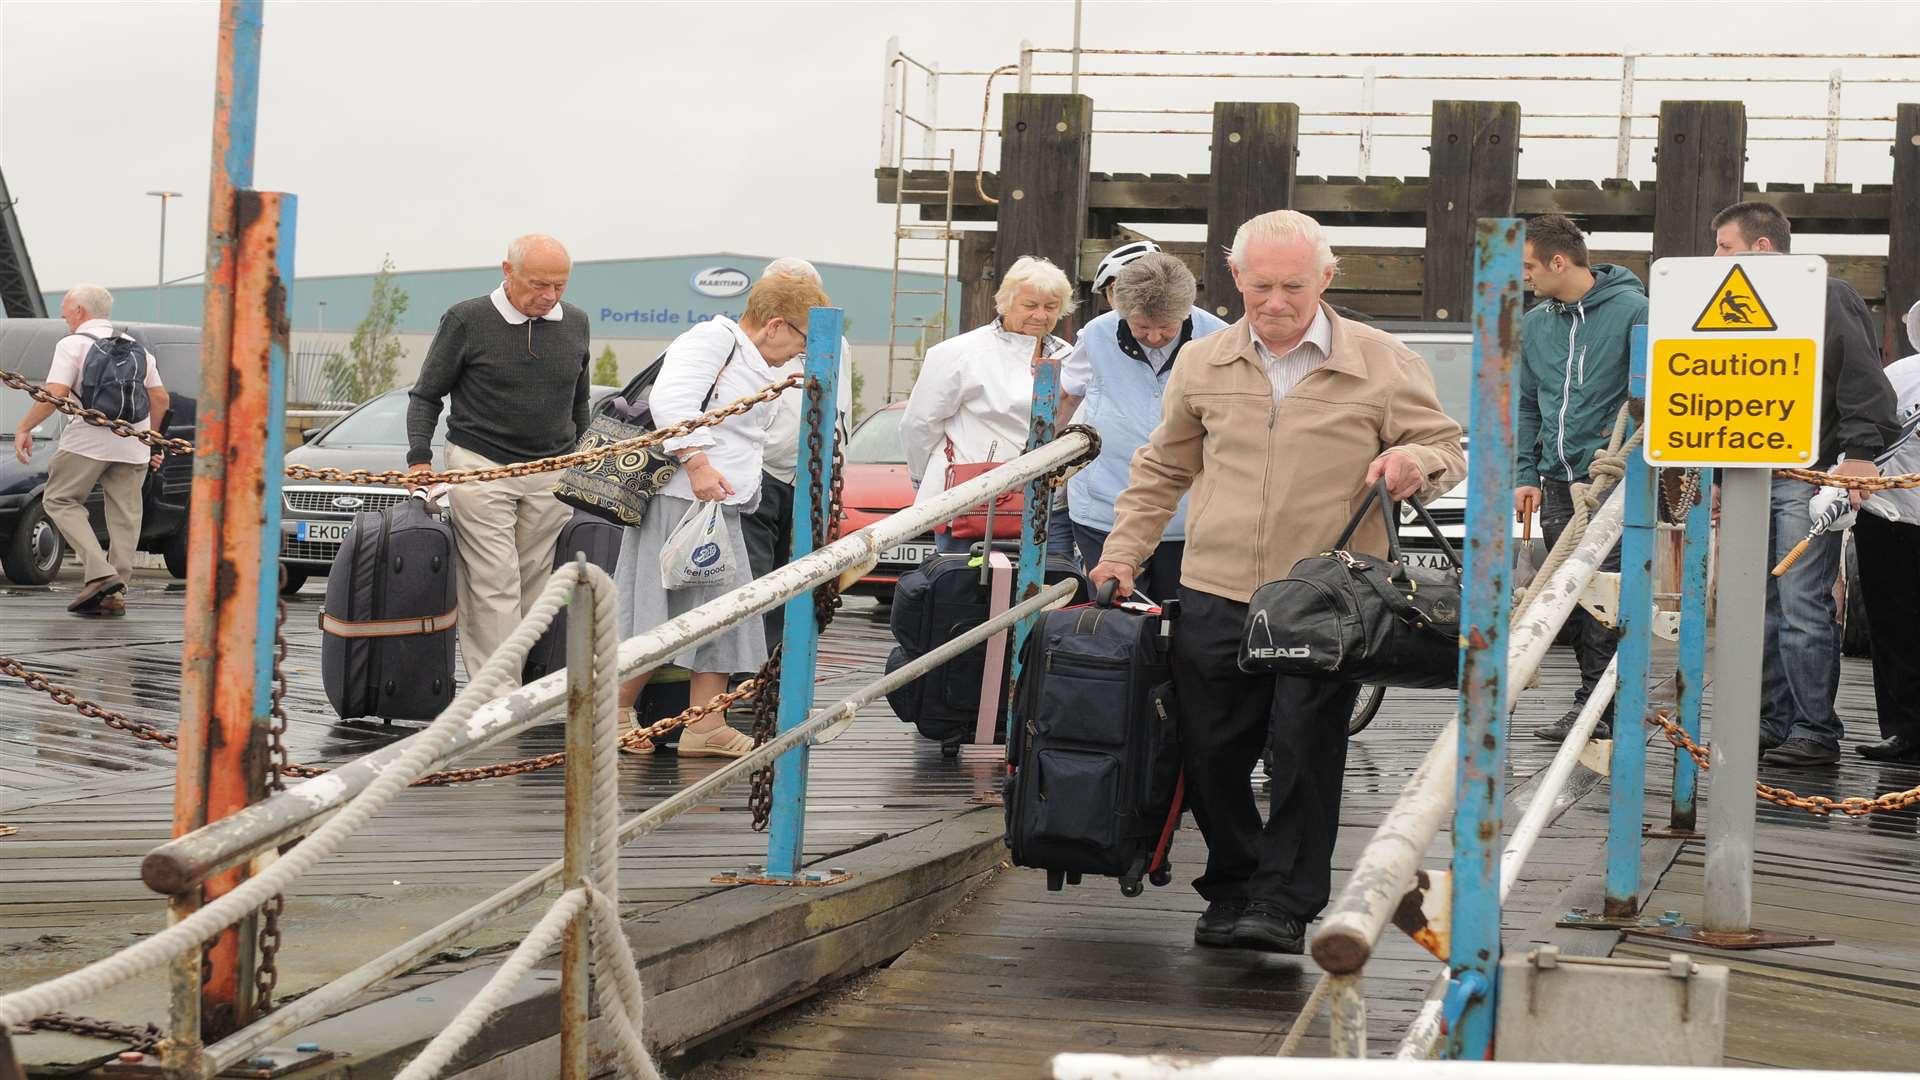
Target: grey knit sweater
519	392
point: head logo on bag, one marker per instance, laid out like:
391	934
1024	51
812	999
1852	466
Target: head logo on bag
705	555
1270	651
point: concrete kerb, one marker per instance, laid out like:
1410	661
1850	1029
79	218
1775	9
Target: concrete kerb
709	966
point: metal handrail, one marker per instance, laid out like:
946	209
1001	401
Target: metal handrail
181	864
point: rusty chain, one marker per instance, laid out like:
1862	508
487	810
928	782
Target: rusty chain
549	464
141	1037
1817	805
266	974
94	416
824	494
113	718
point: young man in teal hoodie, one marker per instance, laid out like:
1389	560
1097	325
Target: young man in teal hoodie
1575	348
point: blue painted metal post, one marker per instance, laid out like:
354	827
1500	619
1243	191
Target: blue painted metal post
786	833
1486	608
1031	576
1628	780
1692	670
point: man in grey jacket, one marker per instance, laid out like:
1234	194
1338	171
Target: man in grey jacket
515	364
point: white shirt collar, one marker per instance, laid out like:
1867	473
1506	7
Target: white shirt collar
1319	335
96	326
514	315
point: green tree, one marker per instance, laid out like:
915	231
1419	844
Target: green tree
371	360
606	369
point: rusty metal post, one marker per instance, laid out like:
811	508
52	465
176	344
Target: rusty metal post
576	864
1485	612
226	664
182	1054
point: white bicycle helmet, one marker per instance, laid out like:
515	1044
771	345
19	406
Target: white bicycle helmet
1109	267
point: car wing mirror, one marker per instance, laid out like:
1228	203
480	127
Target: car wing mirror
311	434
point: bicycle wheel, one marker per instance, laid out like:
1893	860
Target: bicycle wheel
1365	707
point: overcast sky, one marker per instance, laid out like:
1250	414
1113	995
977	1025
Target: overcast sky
435	131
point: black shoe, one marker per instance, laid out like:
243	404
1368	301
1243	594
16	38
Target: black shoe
1215	927
1800	751
1265	927
1768	742
1897	749
1563	727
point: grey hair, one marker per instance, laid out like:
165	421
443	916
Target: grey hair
1041	274
793	266
95	300
1285	227
521	246
1155	286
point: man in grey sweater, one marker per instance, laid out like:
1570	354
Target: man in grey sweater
515	363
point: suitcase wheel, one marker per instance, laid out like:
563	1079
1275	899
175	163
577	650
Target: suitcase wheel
1162	877
1130	886
950	748
1073	878
1054	880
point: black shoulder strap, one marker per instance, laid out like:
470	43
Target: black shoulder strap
724	364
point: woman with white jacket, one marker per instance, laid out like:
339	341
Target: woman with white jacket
716	362
974	397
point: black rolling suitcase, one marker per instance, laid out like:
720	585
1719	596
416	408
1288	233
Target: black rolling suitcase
1096	786
937	601
388	624
599	540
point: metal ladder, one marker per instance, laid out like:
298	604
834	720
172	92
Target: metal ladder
910	245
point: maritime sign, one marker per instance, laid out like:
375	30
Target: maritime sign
1733	361
721	281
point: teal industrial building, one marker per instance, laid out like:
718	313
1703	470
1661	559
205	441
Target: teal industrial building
636	305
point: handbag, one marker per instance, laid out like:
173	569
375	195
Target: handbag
1006	510
1359	618
620	487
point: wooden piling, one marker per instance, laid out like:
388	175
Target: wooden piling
1473	172
1046	149
1255	149
978	280
1698	172
1903	231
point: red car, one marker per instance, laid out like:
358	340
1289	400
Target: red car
876	485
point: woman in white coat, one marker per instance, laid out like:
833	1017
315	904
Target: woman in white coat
974	397
715	362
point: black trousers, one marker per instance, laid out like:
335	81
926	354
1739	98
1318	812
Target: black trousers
768	532
1890	583
1594	643
1227	717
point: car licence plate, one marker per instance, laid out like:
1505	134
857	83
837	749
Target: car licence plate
326	532
911	554
1427	560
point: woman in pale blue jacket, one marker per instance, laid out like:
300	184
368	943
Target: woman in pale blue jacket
1113	382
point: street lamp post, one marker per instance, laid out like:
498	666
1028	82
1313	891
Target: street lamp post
321	306
160	277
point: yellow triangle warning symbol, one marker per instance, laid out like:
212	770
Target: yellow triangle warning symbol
1736	305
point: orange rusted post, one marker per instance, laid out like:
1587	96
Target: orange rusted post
232	571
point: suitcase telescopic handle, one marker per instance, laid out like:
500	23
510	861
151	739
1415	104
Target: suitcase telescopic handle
1107	593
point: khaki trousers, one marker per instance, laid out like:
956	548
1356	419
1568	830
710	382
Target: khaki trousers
504	531
70	478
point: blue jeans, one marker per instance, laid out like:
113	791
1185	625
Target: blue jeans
1159	578
1800	667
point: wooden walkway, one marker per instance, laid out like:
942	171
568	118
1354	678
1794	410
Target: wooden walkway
1012	976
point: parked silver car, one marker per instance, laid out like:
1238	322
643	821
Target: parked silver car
316	516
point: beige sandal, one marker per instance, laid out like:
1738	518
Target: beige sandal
629	725
722	741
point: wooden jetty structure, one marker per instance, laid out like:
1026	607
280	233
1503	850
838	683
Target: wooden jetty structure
354	925
1048	196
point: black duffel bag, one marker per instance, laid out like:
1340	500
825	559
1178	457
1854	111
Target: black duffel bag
1360	618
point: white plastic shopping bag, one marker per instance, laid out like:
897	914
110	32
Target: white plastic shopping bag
697	551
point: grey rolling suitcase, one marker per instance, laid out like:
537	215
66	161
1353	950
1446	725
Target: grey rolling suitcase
388	625
599	540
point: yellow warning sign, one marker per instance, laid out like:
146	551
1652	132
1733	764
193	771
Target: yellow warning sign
1734	401
1736	305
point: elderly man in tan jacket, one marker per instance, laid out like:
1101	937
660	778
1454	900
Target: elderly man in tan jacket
1278	425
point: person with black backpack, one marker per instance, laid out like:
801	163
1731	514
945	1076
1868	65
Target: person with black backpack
102	368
